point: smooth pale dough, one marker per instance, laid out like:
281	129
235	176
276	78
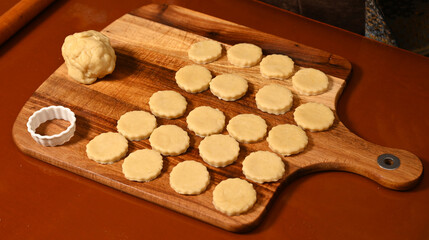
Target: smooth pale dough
107	148
314	116
88	55
169	140
247	128
263	166
276	66
205	51
234	196
274	99
287	139
193	78
310	81
205	121
228	87
167	104
142	165
136	125
219	150
244	55
189	177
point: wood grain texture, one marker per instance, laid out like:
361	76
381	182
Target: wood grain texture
151	45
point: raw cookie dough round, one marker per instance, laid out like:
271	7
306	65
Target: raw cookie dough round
244	55
247	128
205	51
136	125
310	81
274	99
228	87
219	150
276	66
193	78
234	196
287	139
169	140
88	56
167	104
314	116
142	165
107	148
263	166
189	177
205	121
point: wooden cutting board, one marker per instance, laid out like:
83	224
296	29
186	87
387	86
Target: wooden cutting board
151	44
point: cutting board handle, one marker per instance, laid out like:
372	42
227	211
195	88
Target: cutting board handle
392	168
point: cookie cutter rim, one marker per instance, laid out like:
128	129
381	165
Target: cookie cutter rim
50	113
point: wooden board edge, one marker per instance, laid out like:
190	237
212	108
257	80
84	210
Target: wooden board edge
155	12
229	223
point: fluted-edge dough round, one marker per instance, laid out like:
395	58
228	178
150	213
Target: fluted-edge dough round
189	177
287	139
167	104
193	78
142	165
274	99
219	150
228	87
88	55
234	196
314	116
263	166
244	55
205	121
169	140
247	128
136	125
310	81
205	51
107	148
276	66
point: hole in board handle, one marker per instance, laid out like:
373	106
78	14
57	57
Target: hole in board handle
388	161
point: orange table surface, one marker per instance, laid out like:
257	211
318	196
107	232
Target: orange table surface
385	101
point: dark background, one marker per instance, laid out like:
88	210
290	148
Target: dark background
406	20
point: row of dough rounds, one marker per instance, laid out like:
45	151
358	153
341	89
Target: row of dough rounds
306	81
273	98
196	78
217	150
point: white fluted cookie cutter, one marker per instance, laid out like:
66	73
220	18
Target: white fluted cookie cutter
50	113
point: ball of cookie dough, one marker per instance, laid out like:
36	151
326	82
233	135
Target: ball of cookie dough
88	56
